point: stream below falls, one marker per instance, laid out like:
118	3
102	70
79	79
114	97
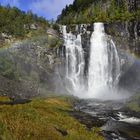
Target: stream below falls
115	122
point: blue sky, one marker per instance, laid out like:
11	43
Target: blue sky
46	8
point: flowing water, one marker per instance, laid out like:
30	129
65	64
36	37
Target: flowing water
115	122
74	62
103	64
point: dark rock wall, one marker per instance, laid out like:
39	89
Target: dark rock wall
133	5
126	35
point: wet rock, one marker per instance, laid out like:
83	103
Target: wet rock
86	119
109	119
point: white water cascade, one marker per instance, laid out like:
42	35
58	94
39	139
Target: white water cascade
104	65
74	62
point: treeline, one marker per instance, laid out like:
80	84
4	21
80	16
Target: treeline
18	23
88	11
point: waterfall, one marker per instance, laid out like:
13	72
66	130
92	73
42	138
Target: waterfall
74	57
104	66
103	63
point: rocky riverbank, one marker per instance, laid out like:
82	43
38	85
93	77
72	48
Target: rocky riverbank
117	119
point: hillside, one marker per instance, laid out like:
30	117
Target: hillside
15	23
82	11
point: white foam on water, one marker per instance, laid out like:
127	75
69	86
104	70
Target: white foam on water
127	119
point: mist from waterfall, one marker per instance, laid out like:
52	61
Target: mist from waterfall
103	64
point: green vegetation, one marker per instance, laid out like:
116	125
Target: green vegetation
17	23
45	119
89	11
134	104
54	42
7	68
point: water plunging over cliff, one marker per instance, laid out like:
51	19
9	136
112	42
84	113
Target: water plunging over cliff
104	66
74	62
103	63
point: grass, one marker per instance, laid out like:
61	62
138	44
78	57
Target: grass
42	119
133	104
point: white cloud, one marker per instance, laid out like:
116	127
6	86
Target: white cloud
11	2
51	8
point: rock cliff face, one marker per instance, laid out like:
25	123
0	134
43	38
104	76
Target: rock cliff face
133	5
126	35
27	68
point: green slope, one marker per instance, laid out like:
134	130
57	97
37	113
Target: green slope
89	11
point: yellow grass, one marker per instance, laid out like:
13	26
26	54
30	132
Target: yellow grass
42	119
